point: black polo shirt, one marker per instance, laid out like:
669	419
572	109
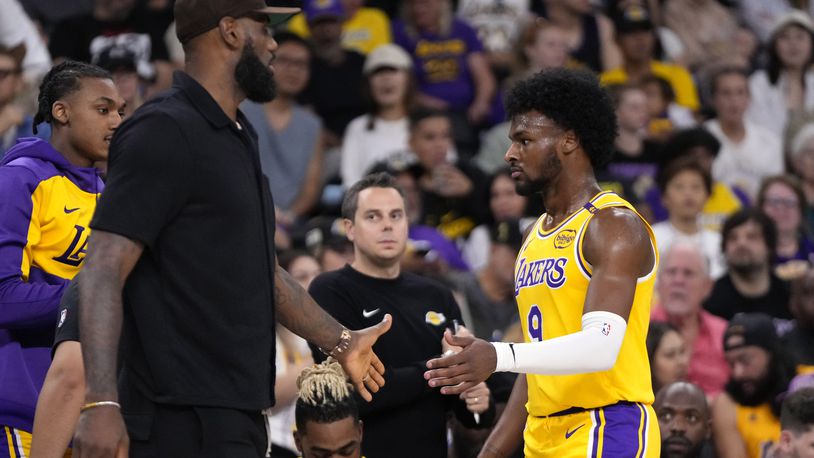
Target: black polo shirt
185	181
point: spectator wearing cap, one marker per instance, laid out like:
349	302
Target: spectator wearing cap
130	74
20	37
122	23
786	87
14	122
682	284
800	338
335	87
635	35
289	136
382	132
685	421
450	66
363	29
745	417
748	240
797	425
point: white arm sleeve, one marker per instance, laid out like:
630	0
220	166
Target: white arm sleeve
592	349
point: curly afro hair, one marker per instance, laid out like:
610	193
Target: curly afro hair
574	100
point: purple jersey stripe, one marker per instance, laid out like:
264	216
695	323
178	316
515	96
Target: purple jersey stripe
621	437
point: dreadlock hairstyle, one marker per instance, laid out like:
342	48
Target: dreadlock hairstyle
325	396
61	80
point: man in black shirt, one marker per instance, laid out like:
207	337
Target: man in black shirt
748	239
407	418
800	338
182	261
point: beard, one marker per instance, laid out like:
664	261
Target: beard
551	168
253	77
775	381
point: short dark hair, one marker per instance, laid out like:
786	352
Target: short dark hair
791	182
686	139
745	215
664	86
350	203
574	100
61	80
666	174
724	71
420	114
325	396
289	37
797	413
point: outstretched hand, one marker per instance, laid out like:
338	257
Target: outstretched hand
364	368
460	372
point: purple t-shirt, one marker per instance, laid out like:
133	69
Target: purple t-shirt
440	62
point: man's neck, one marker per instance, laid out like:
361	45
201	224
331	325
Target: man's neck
364	266
60	143
564	197
333	54
735	130
753	283
636	70
219	83
629	142
686	226
687	325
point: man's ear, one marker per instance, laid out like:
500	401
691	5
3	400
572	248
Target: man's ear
568	142
298	441
230	32
348	225
60	111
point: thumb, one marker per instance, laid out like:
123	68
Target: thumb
458	341
383	325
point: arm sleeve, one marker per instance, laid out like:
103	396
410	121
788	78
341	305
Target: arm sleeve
67	317
22	304
148	181
593	349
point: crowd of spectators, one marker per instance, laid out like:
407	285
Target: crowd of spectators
715	147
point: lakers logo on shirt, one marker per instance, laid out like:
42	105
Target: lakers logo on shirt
550	271
435	318
564	238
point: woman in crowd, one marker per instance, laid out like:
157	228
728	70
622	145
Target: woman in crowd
781	198
669	358
381	132
801	161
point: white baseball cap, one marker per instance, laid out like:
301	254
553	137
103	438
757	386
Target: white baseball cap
388	55
795	17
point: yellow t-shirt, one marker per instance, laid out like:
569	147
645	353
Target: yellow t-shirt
758	427
678	77
368	29
551	282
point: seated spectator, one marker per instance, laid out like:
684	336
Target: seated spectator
685	421
324	237
685	186
123	23
706	29
668	354
453	190
450	66
14	123
801	160
749	152
489	292
326	413
124	66
699	145
289	137
799	339
543	46
682	284
334	89
363	30
635	35
498	25
745	417
666	116
20	36
589	34
796	425
381	132
781	198
787	84
750	285
505	204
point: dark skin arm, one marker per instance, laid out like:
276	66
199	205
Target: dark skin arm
298	312
110	259
508	431
618	247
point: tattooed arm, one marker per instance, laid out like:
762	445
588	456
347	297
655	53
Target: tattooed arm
110	260
298	312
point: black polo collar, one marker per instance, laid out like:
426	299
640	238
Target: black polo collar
201	100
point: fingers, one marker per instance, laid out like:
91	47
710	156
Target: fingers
363	392
446	361
373	380
440	374
458	340
377	364
457	389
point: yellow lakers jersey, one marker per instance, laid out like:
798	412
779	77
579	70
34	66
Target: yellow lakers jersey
759	429
551	282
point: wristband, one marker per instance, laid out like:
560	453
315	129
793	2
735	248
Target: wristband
505	357
341	346
91	405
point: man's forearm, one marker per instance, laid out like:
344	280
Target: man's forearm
298	312
508	431
100	321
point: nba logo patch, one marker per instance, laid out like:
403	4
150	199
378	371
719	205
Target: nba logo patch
435	318
606	327
62	315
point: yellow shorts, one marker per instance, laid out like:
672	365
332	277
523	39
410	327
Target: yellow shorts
14	443
623	430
